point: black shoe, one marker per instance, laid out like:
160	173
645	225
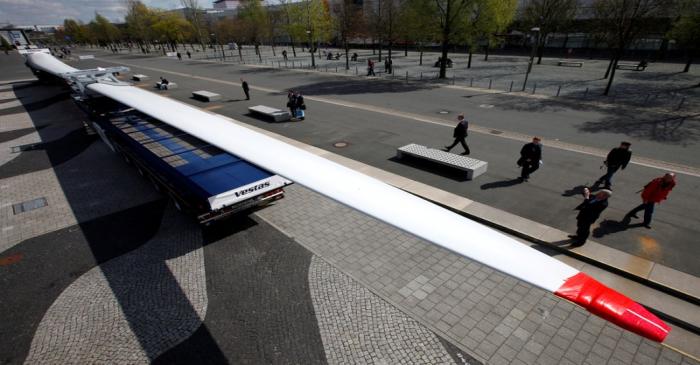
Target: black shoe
464	153
572	236
446	149
647	226
577	243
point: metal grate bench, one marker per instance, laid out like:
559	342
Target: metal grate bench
471	166
276	114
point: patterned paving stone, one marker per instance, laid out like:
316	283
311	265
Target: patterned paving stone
536	317
132	308
353	321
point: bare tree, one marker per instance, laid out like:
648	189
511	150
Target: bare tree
623	21
193	13
551	16
348	22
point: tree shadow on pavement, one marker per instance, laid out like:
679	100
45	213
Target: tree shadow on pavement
361	86
661	128
501	184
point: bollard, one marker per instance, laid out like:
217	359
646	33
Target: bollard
406	76
558	90
471	82
421	75
585	93
356	70
511	86
292	64
489	84
326	68
279	64
336	69
534	87
454	77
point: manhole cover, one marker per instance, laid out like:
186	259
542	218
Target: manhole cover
340	144
493	131
487	106
443	112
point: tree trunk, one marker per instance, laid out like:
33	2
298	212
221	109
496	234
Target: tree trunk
240	54
445	46
688	62
486	53
274	54
420	60
257	50
347	57
469	62
540	51
607	72
405	49
612	72
380	50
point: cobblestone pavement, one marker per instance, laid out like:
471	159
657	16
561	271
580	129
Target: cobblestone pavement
76	176
357	326
501	319
131	308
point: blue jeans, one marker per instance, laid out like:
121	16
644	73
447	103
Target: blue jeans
607	178
648	211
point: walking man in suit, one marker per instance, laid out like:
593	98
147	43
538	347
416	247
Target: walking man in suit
460	134
530	157
589	211
246	89
618	158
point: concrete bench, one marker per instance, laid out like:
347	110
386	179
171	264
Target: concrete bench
471	166
630	66
276	114
570	63
206	95
139	77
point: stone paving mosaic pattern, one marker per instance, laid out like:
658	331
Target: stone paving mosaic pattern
260	309
39	275
359	327
132	308
500	319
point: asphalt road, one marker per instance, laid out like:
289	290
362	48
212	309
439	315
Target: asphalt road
373	137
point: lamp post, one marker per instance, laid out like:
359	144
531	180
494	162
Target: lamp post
535	30
216	39
311	50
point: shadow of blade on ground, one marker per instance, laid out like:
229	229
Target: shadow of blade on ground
117	212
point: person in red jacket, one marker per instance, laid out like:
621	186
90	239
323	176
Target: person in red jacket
654	192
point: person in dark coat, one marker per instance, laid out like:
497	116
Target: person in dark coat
370	67
654	192
246	89
589	211
460	134
292	103
530	157
189	55
299	103
618	158
179	56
